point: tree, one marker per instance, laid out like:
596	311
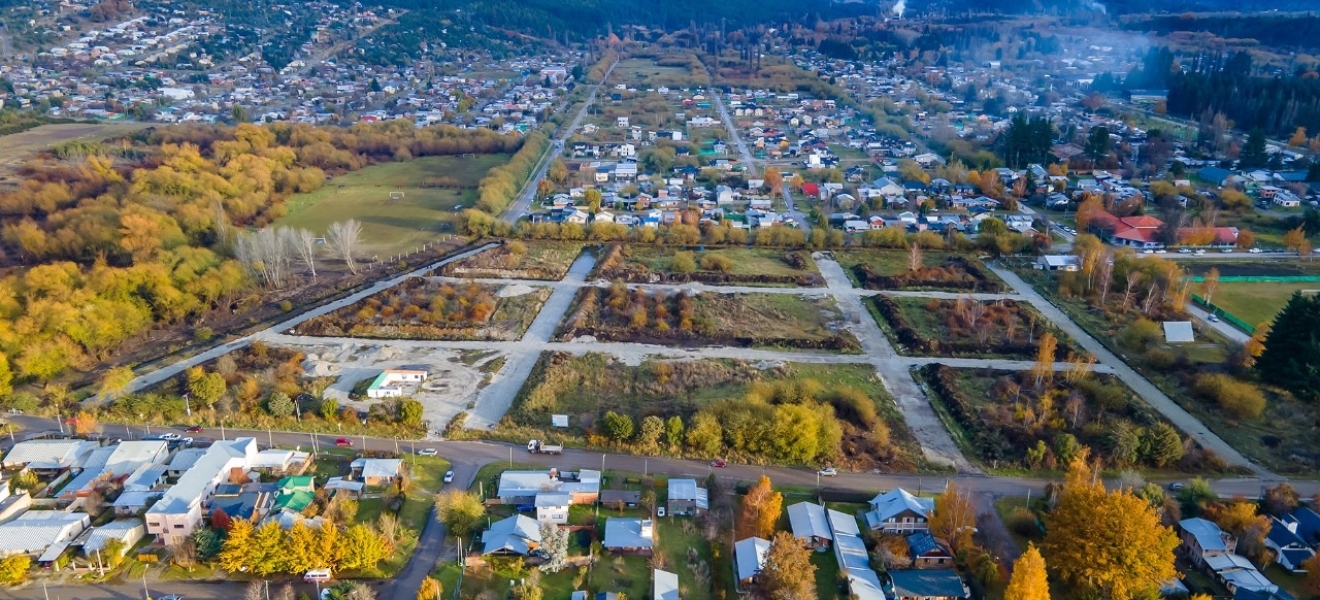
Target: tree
682	262
304	244
1164	445
6	376
1291	357
430	590
13	569
280	405
652	428
1298	138
343	239
364	548
205	388
954	520
1043	370
86	423
554	547
760	509
237	551
1210	284
674	431
1097	143
773	179
1029	581
299	554
558	172
788	573
359	591
617	427
459	511
593	199
115	381
1239	518
410	412
915	262
1108	542
1312	580
1254	155
1294	238
1281	499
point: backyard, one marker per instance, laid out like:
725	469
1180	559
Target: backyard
401	205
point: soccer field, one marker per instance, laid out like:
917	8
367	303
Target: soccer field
396	212
1257	303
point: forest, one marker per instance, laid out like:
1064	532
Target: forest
117	238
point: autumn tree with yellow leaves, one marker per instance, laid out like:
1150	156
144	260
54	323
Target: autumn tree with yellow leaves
760	510
1029	581
1108	542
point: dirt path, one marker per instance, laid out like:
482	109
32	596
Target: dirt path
1140	385
992	531
896	374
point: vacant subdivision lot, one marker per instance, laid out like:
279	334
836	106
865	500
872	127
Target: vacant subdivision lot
966	327
426	309
547	261
619	314
723	266
863	424
1007	420
400	205
878	269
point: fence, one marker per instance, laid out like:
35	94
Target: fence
1223	314
1259	278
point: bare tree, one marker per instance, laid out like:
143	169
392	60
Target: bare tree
304	244
254	591
1210	285
1152	295
343	238
221	224
1106	279
266	254
914	257
1133	278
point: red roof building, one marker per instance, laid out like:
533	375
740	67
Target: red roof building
811	189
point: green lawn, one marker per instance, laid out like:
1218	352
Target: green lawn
1257	303
827	576
394	225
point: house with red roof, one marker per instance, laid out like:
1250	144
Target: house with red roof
810	189
1143	232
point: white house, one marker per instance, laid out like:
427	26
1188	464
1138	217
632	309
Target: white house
37	531
389	384
897	511
179	511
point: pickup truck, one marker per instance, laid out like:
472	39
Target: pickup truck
536	447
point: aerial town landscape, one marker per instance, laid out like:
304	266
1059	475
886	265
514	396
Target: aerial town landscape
494	300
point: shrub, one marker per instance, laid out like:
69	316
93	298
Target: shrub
1239	399
202	334
714	262
1140	335
682	262
286	305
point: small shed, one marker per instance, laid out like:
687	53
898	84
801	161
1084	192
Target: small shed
1178	332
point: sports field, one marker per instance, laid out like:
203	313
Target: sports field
1257	303
397	213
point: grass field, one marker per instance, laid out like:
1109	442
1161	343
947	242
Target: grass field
1257	303
892	263
642	71
1007	329
746	262
18	147
543	260
392	226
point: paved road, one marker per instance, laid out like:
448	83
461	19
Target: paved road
1219	325
523	204
733	132
1142	387
793	211
147	380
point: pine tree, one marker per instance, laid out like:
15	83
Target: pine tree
1029	581
1291	357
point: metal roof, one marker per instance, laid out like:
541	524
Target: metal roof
807	520
628	533
750	556
665	585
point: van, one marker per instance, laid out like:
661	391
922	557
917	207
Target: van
316	575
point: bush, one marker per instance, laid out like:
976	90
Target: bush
1141	335
682	263
1239	399
286	305
712	262
203	334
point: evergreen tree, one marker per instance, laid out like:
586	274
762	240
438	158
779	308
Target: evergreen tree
1253	154
1292	350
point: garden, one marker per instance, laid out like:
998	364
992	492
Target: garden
791	413
426	309
621	314
636	263
877	269
966	327
1025	420
548	261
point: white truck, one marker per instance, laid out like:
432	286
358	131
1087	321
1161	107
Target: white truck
536	447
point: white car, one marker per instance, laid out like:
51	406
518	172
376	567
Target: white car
1213	318
828	472
659	511
1255	250
170	436
427	452
449	476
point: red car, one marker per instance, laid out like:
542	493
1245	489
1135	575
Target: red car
719	463
344	442
194	429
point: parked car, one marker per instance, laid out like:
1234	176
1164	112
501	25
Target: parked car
659	511
449	476
194	429
1175	486
427	452
1213	318
828	472
187	441
719	463
344	442
170	437
171	597
1255	250
317	575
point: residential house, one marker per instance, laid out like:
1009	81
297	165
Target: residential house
376	471
913	584
391	383
522	487
48	456
809	524
1205	539
1290	550
749	557
249	502
552	507
127	531
518	535
37	532
897	511
121	461
664	585
179	511
620	499
686	499
183	460
294	494
1058	262
276	461
629	536
1235	572
926	552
